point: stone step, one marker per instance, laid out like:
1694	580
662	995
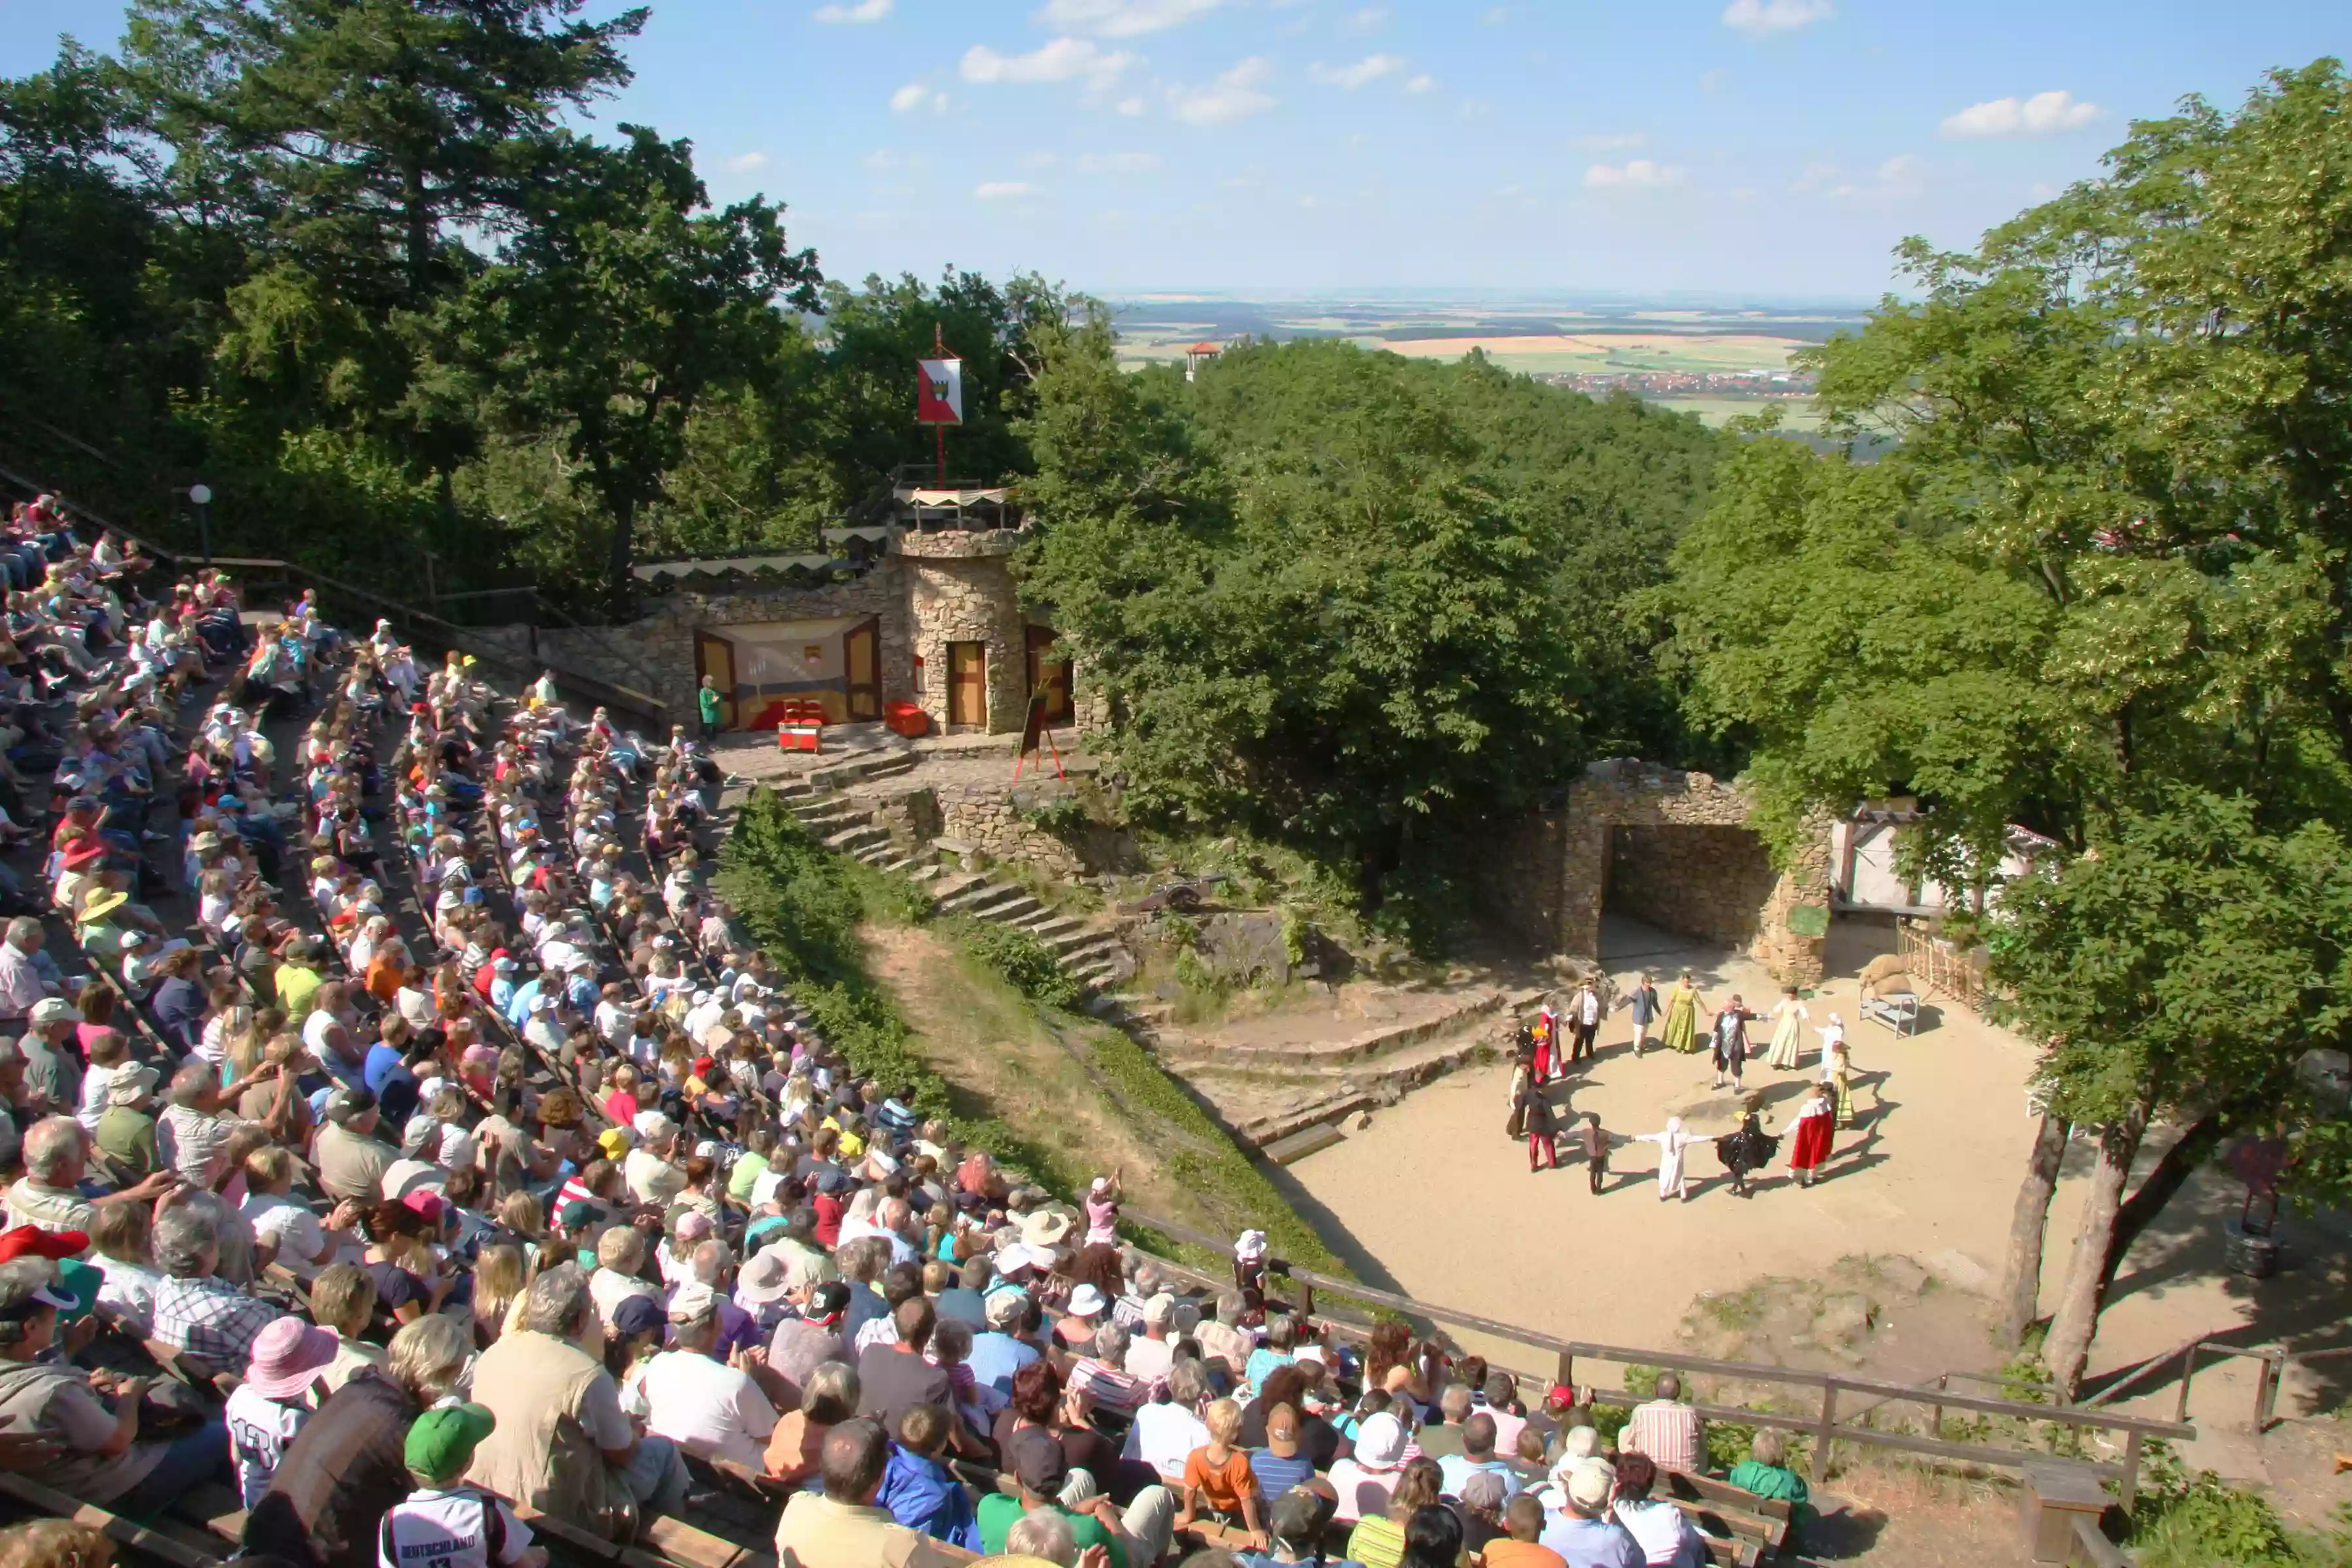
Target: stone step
1078	938
1474	1012
926	874
897	864
948	884
975	890
1052	925
1091	946
1005	911
1307	1140
858	838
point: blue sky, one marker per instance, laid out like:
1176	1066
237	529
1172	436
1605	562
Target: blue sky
1759	149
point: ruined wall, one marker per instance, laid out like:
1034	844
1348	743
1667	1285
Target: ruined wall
960	590
1710	883
654	653
1702	881
1520	881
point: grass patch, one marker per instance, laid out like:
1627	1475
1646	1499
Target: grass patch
1022	961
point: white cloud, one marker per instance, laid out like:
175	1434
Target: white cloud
1898	178
1757	18
863	11
1368	69
1421	83
1611	142
1365	20
1002	190
1061	60
908	97
1634	173
1233	96
1120	18
1131	106
2044	114
1117	163
746	163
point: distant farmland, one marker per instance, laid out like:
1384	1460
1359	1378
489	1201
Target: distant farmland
1588	352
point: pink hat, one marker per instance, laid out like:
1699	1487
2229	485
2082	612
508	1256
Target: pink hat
287	1355
425	1203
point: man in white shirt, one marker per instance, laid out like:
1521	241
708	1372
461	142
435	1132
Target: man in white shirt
705	1406
652	1179
1150	1353
21	982
1167	1430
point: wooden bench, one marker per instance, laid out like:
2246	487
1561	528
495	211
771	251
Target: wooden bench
167	1546
1728	1513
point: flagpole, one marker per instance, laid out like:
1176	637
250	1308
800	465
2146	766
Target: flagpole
939	432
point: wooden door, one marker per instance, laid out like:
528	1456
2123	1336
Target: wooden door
967	683
861	656
715	657
1049	676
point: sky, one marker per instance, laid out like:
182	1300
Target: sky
1759	150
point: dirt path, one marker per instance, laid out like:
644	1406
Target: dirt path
986	1041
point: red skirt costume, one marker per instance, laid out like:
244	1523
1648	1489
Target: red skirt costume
1814	1126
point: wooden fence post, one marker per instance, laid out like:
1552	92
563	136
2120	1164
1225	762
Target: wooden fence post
1822	1433
2128	1487
2265	1383
2188	1371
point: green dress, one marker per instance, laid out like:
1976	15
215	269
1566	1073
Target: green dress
1681	1032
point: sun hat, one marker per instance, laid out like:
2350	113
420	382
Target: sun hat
441	1441
54	1010
83	853
763	1280
692	1301
614	1141
1004	1308
287	1357
1591	1483
131	1083
102	905
1379	1442
1250	1246
32	1241
1086	1302
1046	1229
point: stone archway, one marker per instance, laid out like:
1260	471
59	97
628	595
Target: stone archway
1680	850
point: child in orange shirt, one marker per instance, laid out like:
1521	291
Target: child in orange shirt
1218	1480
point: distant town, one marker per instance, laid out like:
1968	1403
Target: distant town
1685	383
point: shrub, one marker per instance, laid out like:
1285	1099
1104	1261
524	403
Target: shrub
2199	1520
1025	963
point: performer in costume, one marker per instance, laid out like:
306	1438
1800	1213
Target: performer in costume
1523	1079
1644	1006
1681	1030
1747	1150
1545	1035
1813	1130
1837	1072
1674	1172
1789	1019
1730	1041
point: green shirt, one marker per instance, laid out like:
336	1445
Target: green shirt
708	701
748	1169
127	1138
999	1513
296	987
1768	1481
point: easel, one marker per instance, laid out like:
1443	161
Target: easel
1032	732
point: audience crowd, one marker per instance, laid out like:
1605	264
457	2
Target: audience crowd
402	1133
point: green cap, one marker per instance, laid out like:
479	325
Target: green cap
441	1441
81	1281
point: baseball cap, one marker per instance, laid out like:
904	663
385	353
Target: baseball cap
827	1301
692	1302
54	1010
638	1315
441	1442
578	1213
29	1283
1037	1462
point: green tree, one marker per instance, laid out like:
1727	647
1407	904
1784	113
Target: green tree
618	306
2100	581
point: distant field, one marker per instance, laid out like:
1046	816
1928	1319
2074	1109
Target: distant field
1796	414
1614	351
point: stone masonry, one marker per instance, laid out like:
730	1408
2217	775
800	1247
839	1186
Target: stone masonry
1730	892
960	589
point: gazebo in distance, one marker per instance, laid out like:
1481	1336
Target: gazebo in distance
1199	354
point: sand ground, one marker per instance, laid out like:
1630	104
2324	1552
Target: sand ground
1432	1200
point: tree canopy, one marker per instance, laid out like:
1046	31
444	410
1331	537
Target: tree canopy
1349	601
2100	588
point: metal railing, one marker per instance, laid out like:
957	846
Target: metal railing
1824	1424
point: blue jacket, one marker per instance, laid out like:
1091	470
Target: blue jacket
921	1495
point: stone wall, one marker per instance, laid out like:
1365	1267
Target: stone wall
991	821
654	653
960	589
1689	863
1702	881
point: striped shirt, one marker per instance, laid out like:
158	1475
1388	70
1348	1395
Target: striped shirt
1669	1433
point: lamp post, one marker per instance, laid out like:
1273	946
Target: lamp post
201	498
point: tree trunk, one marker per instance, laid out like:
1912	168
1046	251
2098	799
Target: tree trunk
623	558
2179	1163
2021	1289
2068	1350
